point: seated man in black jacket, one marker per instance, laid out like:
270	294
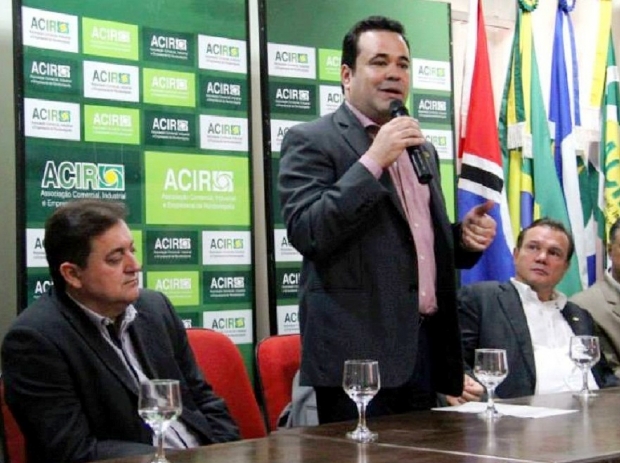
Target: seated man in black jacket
72	361
530	319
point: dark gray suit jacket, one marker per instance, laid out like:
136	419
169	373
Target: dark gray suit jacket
73	397
602	300
492	316
358	290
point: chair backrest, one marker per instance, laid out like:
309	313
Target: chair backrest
14	444
278	359
223	367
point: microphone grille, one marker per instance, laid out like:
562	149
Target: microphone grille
398	109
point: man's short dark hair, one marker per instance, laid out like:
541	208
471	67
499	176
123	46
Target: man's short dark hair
554	225
613	230
350	42
70	229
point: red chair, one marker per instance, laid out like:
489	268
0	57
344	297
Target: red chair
223	367
13	440
278	359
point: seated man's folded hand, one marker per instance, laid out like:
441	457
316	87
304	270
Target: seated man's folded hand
472	392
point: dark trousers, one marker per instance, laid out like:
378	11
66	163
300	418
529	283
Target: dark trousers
333	404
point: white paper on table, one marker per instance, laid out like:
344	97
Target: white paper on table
520	411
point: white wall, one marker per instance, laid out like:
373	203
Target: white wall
8	293
499	16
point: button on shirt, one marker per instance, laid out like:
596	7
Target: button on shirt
415	200
550	334
179	435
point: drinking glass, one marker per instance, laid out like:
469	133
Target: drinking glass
490	368
585	353
361	382
159	403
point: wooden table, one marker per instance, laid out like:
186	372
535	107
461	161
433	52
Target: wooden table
589	435
290	448
592	434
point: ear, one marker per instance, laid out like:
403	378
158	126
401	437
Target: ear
345	75
71	273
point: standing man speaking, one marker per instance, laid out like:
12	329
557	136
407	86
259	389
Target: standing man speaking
379	253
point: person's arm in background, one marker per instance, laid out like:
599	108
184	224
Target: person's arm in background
602	371
605	323
607	349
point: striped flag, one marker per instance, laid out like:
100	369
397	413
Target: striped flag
534	190
564	112
481	174
603	167
610	141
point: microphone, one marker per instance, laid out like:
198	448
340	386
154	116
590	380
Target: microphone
418	159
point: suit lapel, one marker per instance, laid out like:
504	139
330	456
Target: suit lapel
143	338
611	296
510	303
95	341
352	130
575	320
356	137
440	219
441	223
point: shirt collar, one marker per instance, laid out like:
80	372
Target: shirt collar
610	279
364	120
99	320
528	295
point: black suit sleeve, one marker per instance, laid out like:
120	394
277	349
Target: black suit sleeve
213	408
602	372
469	320
463	258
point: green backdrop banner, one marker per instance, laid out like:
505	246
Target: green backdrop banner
302	46
146	103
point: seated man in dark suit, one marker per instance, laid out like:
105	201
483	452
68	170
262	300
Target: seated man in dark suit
529	318
72	361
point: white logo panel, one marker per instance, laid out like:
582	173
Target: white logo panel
226	248
285	252
111	81
221	54
431	75
279	127
331	98
236	324
52	119
49	30
288	319
35	252
291	61
223	133
442	140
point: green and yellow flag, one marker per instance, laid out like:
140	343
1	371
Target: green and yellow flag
533	187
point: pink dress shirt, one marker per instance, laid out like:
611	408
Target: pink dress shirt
415	200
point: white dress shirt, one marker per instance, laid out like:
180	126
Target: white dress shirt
550	334
180	436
